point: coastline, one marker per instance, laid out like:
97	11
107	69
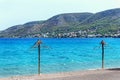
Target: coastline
98	74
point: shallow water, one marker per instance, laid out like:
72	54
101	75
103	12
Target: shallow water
61	55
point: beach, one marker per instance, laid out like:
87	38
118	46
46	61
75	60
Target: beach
108	74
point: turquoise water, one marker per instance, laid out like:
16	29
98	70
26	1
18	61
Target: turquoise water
66	54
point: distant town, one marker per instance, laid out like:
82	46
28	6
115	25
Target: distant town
79	34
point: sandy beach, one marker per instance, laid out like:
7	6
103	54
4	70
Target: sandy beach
108	74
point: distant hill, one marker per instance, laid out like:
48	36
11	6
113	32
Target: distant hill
101	24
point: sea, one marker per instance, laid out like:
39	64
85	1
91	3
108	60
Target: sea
18	57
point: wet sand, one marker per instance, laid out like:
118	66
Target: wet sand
108	74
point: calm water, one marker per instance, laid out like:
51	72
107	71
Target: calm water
17	58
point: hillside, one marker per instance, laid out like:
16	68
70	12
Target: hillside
101	24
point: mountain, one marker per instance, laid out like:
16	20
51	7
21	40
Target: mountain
101	24
104	22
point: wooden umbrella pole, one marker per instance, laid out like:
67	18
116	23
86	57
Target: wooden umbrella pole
38	58
102	43
38	43
102	56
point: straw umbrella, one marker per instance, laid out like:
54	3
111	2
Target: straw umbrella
37	43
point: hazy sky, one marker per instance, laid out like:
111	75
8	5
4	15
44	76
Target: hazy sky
13	12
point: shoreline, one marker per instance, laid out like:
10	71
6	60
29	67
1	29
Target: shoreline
54	72
76	75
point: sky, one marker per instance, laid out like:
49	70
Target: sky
15	12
